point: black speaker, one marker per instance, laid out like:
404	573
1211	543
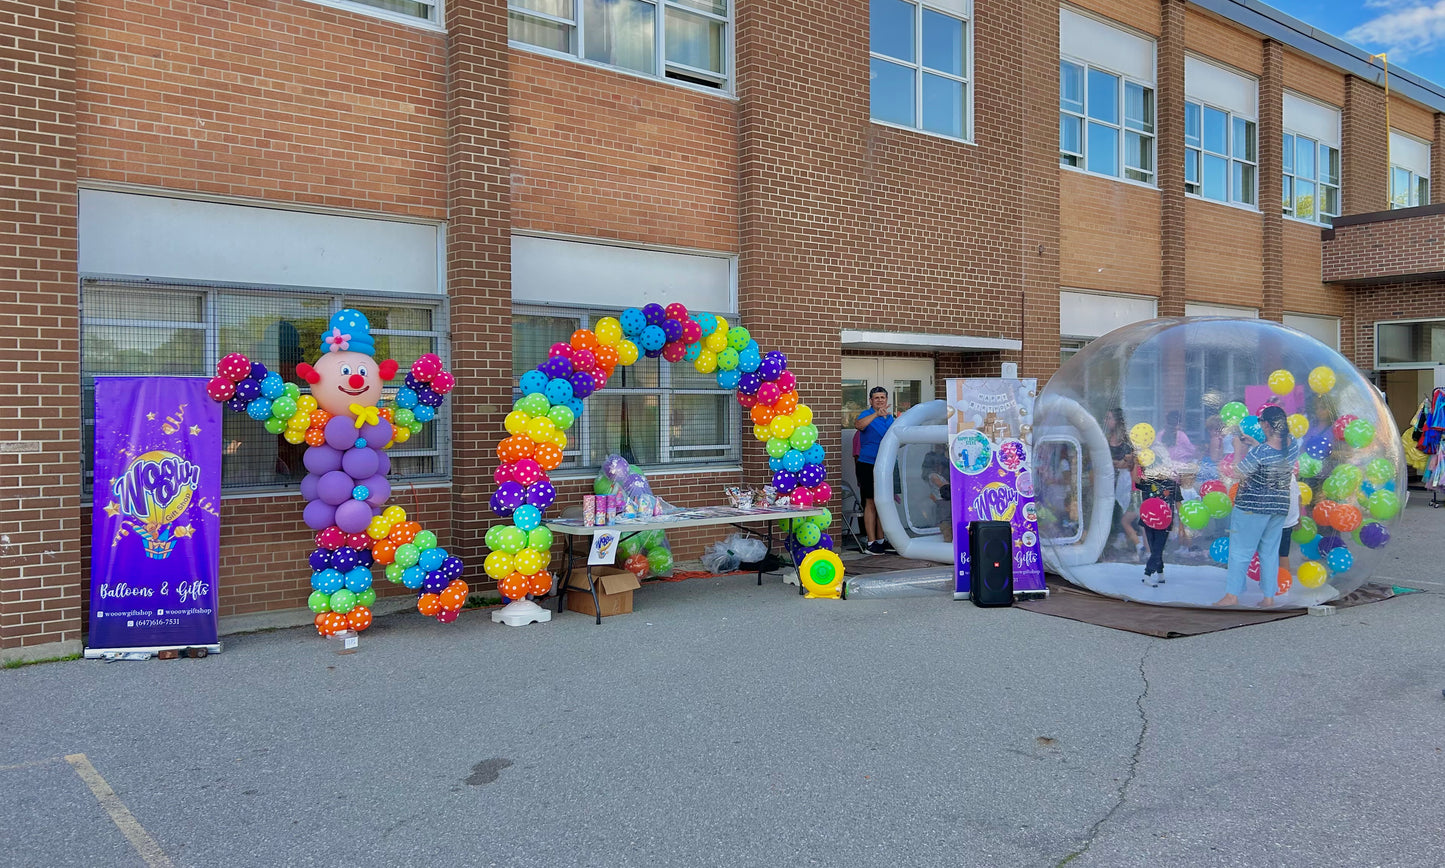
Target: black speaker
990	563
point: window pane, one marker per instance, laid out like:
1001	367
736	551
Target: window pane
559	8
942	105
1287	194
1422	192
1244	141
620	33
701	420
152	306
137	350
942	43
1215	178
1304	199
1071	87
1191	124
533	335
1304	157
1244	183
1139	151
405	349
695	41
405	7
1191	166
892	28
1071	134
644	373
1288	153
716	7
543	34
1103	155
891	92
1399	187
1329	165
625	424
1216	131
1329	200
1103	96
1139	108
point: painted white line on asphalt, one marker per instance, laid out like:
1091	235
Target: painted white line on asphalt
32	764
124	820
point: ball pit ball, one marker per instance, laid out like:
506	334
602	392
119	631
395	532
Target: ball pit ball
1351	467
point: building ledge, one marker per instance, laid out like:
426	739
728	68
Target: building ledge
918	341
1384	247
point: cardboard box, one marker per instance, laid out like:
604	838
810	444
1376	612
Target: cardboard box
614	591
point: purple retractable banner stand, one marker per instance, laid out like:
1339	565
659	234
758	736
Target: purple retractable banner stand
990	427
155	518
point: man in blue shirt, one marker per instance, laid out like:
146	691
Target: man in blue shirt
871	426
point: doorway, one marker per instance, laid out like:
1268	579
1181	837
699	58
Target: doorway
908	381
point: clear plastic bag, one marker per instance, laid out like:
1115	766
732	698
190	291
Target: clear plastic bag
730	554
646	554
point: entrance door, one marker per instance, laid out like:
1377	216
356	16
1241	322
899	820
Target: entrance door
908	381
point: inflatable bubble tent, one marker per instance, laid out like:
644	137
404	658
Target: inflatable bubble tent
1167	396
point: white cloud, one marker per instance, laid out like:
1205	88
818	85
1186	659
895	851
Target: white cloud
1404	30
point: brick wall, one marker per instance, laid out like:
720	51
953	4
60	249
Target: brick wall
1364	153
1108	235
1394	246
40	599
1417	299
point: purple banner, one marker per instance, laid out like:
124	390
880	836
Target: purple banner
155	544
989	427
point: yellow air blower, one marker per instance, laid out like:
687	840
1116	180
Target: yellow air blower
822	575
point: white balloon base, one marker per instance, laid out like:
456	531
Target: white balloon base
521	612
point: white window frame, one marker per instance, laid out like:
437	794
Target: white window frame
719	82
1122	127
1292	178
1197	151
962	11
1402	366
437	21
1407	175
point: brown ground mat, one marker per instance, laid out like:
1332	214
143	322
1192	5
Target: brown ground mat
1169	622
890	563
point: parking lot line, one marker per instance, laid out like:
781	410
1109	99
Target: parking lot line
124	820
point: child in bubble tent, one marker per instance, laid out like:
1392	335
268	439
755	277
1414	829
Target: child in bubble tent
1159	486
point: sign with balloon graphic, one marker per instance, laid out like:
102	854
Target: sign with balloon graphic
347	429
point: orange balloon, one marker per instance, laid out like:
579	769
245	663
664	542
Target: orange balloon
516	447
786	403
1285	579
315	437
460	585
584	339
549	455
606	358
762	414
513	587
452	598
384	551
319	418
1233	492
1324	513
320	622
385	413
359	618
637	565
428	604
539	584
335	623
1346	517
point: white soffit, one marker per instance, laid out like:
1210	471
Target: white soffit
1319	122
1197	309
1410	153
586	274
1104	46
853	339
1092	314
1220	87
156	236
1325	329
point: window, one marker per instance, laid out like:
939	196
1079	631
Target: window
1412	344
1311	180
918	55
134	328
1409	171
403	10
686	40
1220	159
653	413
1106	123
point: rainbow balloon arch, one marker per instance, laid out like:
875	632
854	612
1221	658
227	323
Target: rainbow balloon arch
552	400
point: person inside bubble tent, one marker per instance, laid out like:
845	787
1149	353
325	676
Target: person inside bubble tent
1121	452
871	426
1265	474
1158	485
1174	439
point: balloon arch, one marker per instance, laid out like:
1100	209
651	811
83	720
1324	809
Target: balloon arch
552	396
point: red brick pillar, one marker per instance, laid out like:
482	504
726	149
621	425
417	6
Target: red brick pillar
1271	179
1365	149
40	454
1169	169
1437	160
1039	202
479	262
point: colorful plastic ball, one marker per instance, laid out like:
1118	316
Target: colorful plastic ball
659	562
1321	380
1156	513
1142	435
1312	574
1359	433
1338	428
1299	426
1218	504
1219	550
1193	514
1232	413
1384	505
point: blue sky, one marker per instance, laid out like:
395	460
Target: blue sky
1412	31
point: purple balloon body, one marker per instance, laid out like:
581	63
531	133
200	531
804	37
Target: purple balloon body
429	398
636	485
377	435
615	468
237	404
344	559
582	384
1374	535
321	460
452	568
334	488
770	369
785	481
258	371
249	390
341	433
825	541
434	583
308	487
411	381
319	560
541	494
812	474
673	329
379	490
749	382
557	367
383	463
353	516
360	463
507	497
1330	543
655	314
319	515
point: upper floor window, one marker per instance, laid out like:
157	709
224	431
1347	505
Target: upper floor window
1221	136
1106	98
429	11
919	64
686	40
1310	152
1409	171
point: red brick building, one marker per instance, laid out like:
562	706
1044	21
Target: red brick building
890	192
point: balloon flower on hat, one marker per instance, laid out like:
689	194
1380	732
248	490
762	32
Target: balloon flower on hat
346	490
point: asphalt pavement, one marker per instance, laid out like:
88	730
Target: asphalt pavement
723	723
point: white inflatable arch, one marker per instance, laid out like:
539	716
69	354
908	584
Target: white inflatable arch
1083	430
922	423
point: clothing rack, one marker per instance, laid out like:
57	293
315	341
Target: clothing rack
1429	430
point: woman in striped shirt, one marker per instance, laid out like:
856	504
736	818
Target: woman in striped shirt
1266	473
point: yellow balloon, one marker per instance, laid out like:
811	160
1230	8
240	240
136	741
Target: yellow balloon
498	565
541	429
528	561
706	362
295	436
1299	426
1147	457
626	352
608	331
802	415
722	328
1142	435
763	433
560	438
394	515
401	433
1322	379
715	342
783	426
300	422
306	404
1281	382
1312	574
1305	494
516	421
378	528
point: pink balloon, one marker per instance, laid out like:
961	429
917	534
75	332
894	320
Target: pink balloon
1155	513
822	493
768	393
563	350
786	381
446	616
801	497
505	472
527	471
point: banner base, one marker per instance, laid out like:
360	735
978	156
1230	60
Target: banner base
149	651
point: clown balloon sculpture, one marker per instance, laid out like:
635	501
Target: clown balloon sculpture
551	401
347	436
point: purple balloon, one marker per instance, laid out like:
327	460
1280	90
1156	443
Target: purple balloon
379	488
319	515
341	433
237	404
377	435
654	313
1330	543
636	485
258	371
411	381
334	488
319	560
364	558
383	464
541	494
452	568
434	583
508	496
556	367
248	390
1374	535
812	474
749	382
429	398
652	354
825	541
308	486
353	516
345	559
321	459
615	468
672	329
582	384
360	463
785	481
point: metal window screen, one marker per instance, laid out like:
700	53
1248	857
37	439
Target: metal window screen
175	330
653	413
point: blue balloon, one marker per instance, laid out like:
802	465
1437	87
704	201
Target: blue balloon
794	461
576	406
358	580
405	398
432	559
559	391
259	409
533	382
1311	549
1250	427
413	576
329	581
526	517
424	413
1319	445
273	386
1339	560
653	338
707	321
1219	550
633	322
775	464
813	454
693	351
729	379
749	359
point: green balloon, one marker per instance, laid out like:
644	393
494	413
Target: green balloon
1336	488
1310	467
1384	505
493	539
1350	474
1194	514
562	416
1305	531
319	602
403	418
1379	471
343	601
393	572
283	408
1359	432
628	547
366	598
824	520
778	447
513	539
808	534
275	426
727	360
425	540
1218	504
785	524
407	555
1232	413
652	539
540	539
803	437
738	338
293	391
603	486
535	404
659	561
